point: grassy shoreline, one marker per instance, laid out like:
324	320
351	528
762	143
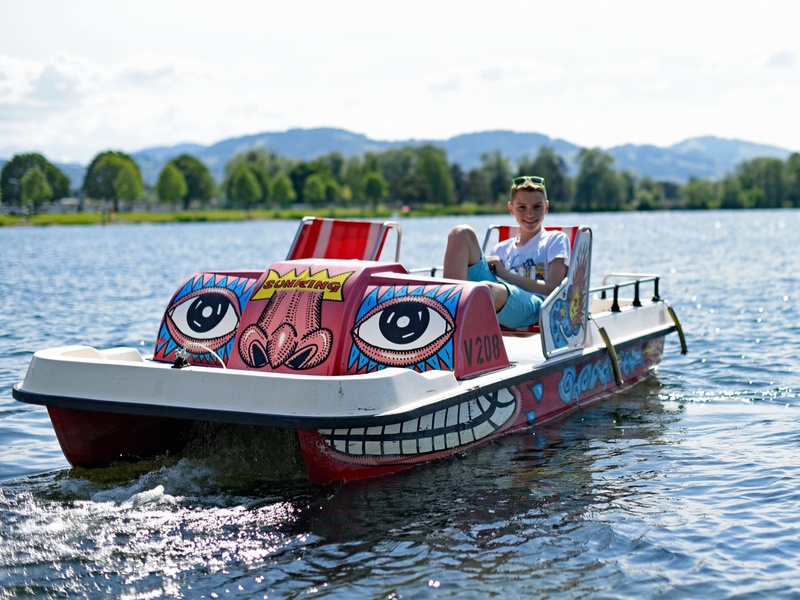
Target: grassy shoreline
221	215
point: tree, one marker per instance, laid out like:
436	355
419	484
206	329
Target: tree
597	186
433	174
15	169
257	171
283	192
102	173
793	180
671	191
699	193
35	189
353	178
553	168
459	182
476	188
334	164
199	182
649	195
630	182
265	166
320	167
128	183
333	191
497	169
763	181
299	173
259	159
171	187
375	189
346	195
314	189
732	195
245	190
397	166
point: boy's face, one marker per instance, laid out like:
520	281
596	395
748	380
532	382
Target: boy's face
528	208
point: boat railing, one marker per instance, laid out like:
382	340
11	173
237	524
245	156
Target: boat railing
634	280
429	271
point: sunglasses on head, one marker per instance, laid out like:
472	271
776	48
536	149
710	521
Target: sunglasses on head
518	181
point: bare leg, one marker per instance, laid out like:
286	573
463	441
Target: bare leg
499	294
462	251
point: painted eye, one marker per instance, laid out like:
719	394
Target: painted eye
402	326
403	331
207	316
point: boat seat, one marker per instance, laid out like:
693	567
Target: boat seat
318	237
504	232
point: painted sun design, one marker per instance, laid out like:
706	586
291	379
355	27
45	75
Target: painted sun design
578	291
405	326
203	318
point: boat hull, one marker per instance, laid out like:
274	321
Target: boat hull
91	438
348	454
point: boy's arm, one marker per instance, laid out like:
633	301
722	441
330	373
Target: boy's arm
556	271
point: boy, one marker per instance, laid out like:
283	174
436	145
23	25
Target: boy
521	271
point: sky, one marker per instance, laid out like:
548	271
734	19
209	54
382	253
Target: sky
82	77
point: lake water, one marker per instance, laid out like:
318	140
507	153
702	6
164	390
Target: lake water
685	486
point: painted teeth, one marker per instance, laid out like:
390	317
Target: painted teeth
444	429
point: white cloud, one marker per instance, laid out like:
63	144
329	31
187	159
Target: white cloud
784	58
658	87
158	78
597	74
452	84
15	80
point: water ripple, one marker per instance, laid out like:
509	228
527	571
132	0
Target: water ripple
684	486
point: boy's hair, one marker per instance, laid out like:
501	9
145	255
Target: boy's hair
528	186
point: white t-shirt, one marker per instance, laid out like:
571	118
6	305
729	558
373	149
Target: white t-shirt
534	258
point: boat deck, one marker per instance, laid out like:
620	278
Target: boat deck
524	348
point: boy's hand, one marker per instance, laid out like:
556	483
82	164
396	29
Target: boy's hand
495	265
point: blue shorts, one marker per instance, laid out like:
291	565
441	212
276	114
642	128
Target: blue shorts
521	309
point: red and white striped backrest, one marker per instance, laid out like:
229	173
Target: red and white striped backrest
341	238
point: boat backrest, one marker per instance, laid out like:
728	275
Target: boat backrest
499	233
318	237
564	315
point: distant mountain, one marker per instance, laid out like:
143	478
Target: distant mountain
702	157
307	144
466	150
300	144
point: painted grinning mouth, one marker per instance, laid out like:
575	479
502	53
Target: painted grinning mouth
442	430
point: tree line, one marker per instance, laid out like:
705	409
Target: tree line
413	176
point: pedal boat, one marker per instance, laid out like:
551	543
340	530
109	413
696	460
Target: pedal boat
362	367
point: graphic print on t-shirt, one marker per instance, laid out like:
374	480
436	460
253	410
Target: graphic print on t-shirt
527	266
